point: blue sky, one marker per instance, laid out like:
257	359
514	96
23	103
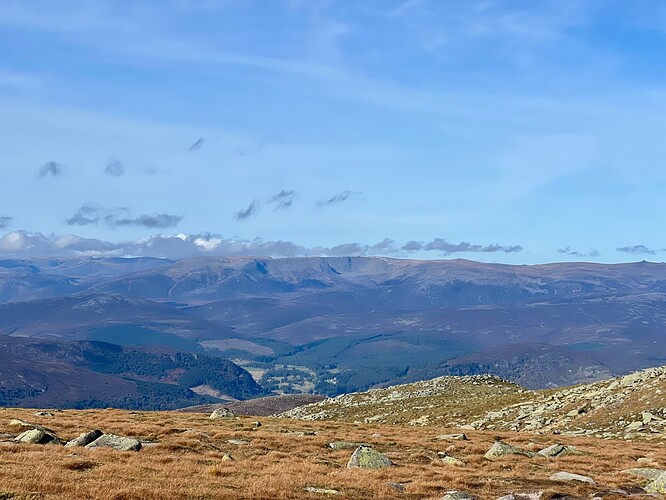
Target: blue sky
509	131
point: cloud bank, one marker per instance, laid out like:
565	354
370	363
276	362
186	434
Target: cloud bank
32	244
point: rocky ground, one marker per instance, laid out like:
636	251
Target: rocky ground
629	407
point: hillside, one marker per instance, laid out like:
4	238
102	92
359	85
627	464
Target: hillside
633	406
98	374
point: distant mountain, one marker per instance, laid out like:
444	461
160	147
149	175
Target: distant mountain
333	325
36	373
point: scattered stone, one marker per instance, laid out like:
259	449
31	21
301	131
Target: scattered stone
449	460
458	495
85	439
238	442
43	414
443	437
645	460
345	445
34	433
399	487
536	495
645	472
321	491
114	442
37	436
568	476
256	424
367	458
558	450
634	426
500	449
221	413
227	458
658	485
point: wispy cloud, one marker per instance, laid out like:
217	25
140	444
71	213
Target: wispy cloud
115	168
639	250
51	168
337	199
92	214
5	221
250	211
197	144
447	248
283	199
576	253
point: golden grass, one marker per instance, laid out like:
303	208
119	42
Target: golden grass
279	463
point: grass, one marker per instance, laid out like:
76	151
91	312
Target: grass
280	462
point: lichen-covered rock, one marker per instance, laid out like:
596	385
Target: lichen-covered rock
558	450
645	472
112	441
37	436
658	485
568	476
34	433
367	458
221	413
500	449
458	495
345	445
85	439
449	460
445	437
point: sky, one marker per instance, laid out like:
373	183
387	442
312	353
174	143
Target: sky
494	130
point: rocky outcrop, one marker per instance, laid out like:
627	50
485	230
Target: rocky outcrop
658	485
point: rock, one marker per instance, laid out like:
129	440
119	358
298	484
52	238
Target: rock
43	436
558	450
568	476
449	460
37	436
634	426
85	439
458	495
238	442
399	487
227	458
645	472
536	495
118	443
658	485
222	413
367	458
345	445
256	424
443	437
500	449
43	414
321	491
645	460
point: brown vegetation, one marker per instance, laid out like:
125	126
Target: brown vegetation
282	459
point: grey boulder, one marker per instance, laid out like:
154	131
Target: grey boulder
114	442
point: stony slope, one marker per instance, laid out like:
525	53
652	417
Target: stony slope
633	406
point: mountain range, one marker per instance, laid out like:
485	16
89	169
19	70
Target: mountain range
335	325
